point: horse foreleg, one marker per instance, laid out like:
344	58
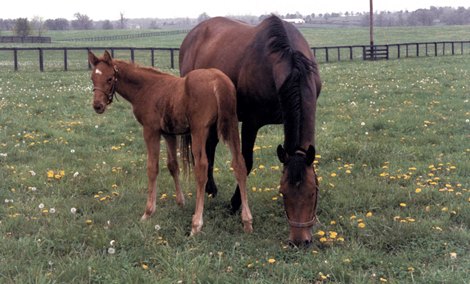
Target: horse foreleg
173	167
152	141
249	133
240	173
200	171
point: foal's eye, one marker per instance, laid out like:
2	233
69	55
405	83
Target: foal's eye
110	80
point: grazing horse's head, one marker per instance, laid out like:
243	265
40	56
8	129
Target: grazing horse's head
104	80
299	189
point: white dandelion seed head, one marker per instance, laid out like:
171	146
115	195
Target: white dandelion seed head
111	250
112	242
52	210
41	206
157	227
73	210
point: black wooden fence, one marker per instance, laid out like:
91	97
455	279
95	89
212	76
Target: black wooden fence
323	54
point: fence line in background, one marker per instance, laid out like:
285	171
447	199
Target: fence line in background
128	36
323	54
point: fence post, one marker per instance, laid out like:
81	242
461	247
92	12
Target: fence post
435	49
132	54
65	59
326	54
15	58
350	53
41	60
152	57
172	54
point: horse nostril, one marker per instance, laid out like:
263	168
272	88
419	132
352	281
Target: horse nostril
99	108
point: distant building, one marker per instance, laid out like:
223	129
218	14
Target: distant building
295	21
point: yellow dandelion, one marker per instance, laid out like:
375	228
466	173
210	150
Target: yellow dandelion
418	190
332	222
89	222
361	225
402	204
340	239
320	233
145	266
50	174
250	265
333	234
411	269
444	209
333	174
323	240
369	214
383	279
271	260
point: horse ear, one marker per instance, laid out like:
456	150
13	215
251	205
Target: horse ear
310	156
107	57
281	154
92	58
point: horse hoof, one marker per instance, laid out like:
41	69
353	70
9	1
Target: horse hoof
144	217
248	228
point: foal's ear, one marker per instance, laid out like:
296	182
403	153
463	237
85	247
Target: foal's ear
92	58
310	155
107	57
281	154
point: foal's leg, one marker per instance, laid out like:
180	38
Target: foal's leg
240	172
200	170
152	141
173	167
249	132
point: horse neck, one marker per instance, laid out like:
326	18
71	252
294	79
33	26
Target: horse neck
131	79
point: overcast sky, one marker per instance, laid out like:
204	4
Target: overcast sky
111	9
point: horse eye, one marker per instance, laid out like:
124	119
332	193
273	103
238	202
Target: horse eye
110	79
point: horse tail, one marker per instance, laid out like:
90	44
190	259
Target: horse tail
226	96
185	153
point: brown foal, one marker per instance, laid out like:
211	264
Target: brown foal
165	105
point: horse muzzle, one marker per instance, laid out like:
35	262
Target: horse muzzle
99	107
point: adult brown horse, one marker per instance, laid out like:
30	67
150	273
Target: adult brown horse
277	81
166	105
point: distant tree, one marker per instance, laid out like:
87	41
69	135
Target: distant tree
203	17
22	27
39	25
154	25
82	22
59	24
122	21
107	25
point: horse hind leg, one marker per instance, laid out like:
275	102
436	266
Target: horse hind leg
173	167
200	171
240	172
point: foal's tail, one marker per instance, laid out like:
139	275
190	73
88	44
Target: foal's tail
226	96
185	153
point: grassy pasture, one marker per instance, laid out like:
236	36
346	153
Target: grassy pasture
393	151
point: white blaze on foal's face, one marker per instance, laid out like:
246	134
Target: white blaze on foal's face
98	71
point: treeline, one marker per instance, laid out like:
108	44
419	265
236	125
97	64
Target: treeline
420	17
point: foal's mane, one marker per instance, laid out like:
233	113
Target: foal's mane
126	67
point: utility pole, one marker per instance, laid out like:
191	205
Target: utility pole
371	24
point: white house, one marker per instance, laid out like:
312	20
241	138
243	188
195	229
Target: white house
295	21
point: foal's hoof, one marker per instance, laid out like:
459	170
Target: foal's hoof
144	217
248	227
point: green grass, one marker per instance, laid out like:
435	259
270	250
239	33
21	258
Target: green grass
384	129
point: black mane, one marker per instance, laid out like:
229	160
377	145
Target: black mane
290	92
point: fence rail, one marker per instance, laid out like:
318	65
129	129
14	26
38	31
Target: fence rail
167	57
